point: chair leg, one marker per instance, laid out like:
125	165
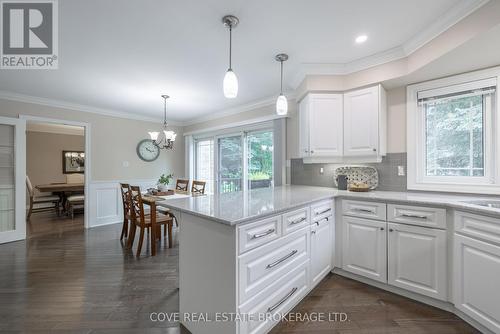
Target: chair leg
170	243
131	237
141	239
124	228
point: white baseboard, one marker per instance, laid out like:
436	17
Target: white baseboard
105	203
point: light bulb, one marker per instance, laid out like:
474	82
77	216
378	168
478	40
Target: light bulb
154	135
281	105
230	84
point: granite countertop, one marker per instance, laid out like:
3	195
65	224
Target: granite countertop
240	207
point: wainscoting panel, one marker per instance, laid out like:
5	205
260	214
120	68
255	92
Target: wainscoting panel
106	203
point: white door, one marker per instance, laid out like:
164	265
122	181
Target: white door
417	259
304	127
12	179
326	125
321	250
475	281
364	250
361	128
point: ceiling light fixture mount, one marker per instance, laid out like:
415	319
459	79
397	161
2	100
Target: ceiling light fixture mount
230	83
167	140
281	102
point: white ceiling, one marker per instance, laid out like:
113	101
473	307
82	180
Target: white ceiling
121	55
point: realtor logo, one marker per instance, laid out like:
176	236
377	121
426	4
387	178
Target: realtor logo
29	34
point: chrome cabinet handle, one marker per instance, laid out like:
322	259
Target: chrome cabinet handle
298	221
260	235
312	151
407	215
383	229
322	212
391	230
313	232
288	295
319	221
275	263
364	210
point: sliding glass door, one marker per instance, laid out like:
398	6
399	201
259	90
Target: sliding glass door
260	159
230	163
204	162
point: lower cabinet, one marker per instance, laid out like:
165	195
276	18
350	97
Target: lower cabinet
476	277
364	248
417	259
321	250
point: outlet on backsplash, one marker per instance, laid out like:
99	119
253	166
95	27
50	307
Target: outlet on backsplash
401	170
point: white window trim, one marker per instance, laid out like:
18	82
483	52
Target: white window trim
490	184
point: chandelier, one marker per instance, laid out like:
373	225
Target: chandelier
165	141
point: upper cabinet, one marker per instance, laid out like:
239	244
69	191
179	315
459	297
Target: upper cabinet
343	127
320	125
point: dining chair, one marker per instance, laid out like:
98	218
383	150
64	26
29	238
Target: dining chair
75	202
39	200
198	187
140	219
182	185
125	190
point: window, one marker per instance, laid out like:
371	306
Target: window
260	159
451	146
204	170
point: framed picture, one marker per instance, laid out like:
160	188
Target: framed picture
73	162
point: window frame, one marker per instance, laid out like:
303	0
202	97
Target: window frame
416	135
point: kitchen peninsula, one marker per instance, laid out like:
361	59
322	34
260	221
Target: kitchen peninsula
259	252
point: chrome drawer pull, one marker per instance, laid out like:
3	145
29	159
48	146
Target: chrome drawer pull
364	210
298	221
322	212
407	215
260	235
275	263
278	304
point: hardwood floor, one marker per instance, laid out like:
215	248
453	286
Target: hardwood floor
65	279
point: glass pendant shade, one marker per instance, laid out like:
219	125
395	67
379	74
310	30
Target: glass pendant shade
230	85
281	105
154	135
170	135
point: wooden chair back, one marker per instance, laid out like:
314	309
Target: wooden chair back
198	187
29	185
182	185
137	215
125	190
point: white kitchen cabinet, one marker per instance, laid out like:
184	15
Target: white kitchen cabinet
364	247
321	249
475	280
321	125
417	259
365	122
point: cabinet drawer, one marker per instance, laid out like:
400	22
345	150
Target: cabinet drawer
258	233
264	265
280	298
372	210
295	220
416	215
482	227
321	210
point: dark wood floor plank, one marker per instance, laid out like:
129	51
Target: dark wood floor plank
65	279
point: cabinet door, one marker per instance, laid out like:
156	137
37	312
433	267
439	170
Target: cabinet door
364	250
361	126
326	125
304	127
475	281
417	259
321	250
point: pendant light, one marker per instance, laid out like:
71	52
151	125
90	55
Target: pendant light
230	83
165	141
281	102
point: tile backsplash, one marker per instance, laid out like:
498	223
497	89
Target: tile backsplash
389	180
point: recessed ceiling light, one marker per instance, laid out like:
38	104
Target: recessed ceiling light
361	39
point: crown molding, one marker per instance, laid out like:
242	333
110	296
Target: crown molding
55	129
5	95
450	18
238	109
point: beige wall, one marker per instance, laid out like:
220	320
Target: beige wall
44	155
113	141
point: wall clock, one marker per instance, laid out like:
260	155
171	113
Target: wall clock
147	151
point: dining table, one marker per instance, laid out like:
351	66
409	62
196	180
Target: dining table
152	201
61	190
